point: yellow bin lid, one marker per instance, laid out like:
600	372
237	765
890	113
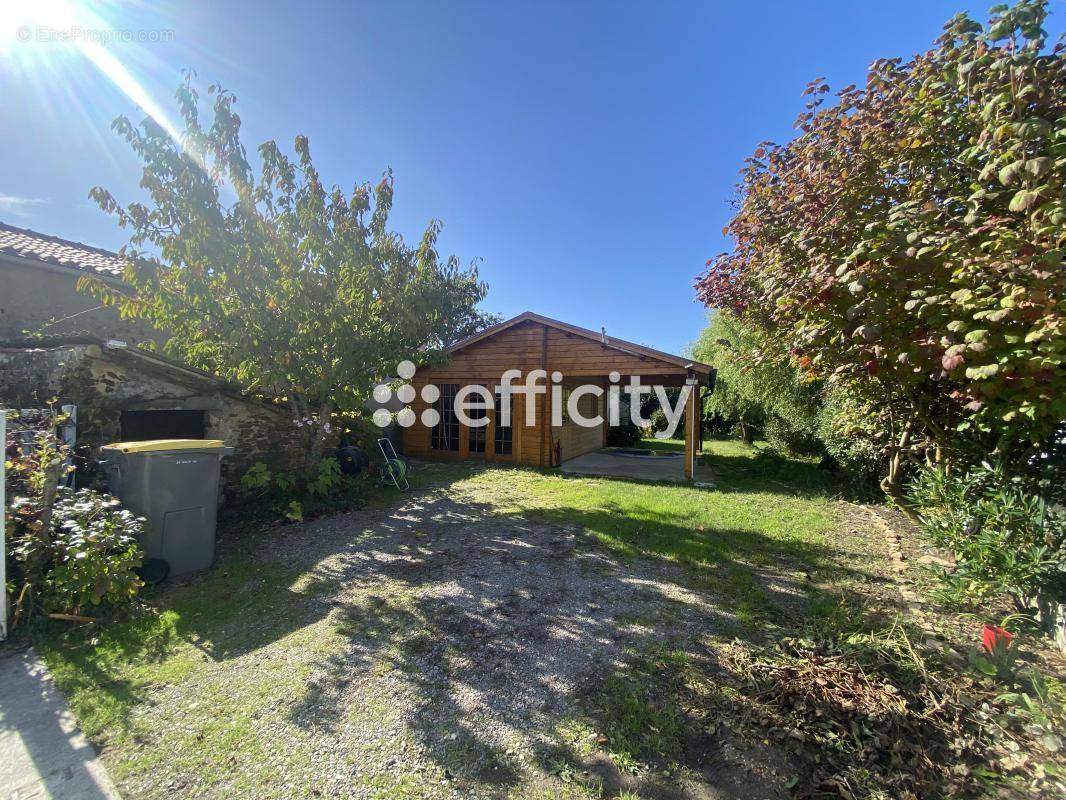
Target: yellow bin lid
153	445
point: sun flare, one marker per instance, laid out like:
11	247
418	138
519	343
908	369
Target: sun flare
43	39
23	21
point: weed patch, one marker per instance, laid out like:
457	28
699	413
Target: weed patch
868	715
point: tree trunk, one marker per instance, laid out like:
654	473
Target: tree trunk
35	566
321	432
892	483
48	494
747	432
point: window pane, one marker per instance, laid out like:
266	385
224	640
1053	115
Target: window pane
445	434
502	439
476	437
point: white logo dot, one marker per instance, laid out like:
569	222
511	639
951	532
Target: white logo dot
615	376
382	418
406	370
430	393
557	376
406	417
406	393
382	393
430	417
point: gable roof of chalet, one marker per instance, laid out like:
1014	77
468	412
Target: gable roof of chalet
22	243
630	348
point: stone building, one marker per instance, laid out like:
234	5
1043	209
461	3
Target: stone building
57	343
39	295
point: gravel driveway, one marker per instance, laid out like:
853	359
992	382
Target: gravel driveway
445	648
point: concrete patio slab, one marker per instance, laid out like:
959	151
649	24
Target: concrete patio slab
611	464
42	752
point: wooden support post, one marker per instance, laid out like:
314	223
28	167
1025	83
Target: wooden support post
604	410
545	415
699	419
691	428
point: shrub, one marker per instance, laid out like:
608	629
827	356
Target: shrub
790	440
1004	537
327	478
86	555
625	435
717	426
847	428
653	411
69	549
50	566
295	495
658	421
1049	465
94	552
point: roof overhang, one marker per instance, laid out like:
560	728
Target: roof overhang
63	269
686	365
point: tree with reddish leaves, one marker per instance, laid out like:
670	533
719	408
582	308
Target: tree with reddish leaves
909	242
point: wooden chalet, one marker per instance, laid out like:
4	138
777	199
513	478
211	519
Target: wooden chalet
530	342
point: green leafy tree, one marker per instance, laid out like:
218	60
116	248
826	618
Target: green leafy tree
272	279
751	389
909	240
848	428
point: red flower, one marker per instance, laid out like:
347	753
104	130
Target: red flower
994	638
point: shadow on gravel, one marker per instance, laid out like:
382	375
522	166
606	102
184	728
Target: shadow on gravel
531	654
495	627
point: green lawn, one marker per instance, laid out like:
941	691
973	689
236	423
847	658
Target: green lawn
191	682
764	512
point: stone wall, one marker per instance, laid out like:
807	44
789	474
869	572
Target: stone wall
103	383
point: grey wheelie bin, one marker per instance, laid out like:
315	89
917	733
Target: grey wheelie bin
173	483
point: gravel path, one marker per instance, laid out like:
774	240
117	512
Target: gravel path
447	645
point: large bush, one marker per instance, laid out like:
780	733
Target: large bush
1004	537
909	241
789	439
846	424
94	552
68	550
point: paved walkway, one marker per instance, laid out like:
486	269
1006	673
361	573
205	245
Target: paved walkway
42	752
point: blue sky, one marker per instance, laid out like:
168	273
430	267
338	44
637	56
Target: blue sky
585	152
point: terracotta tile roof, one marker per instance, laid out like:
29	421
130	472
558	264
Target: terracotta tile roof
61	252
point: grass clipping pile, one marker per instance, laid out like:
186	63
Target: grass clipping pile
869	717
